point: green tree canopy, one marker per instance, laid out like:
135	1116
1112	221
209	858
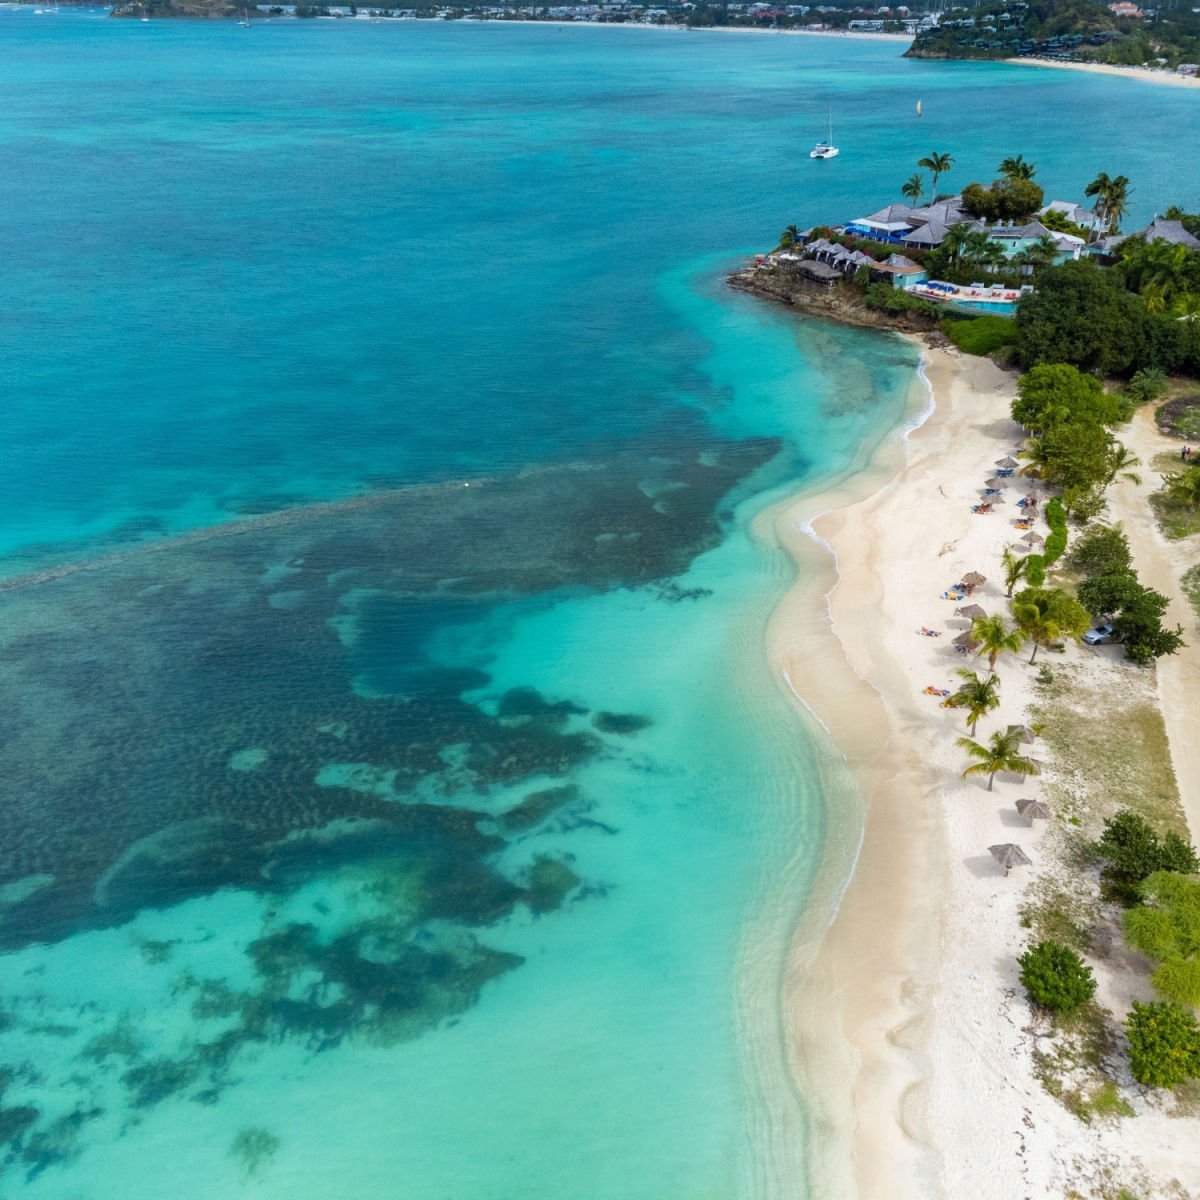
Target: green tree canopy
1081	314
1106	595
1012	199
1133	850
1078	455
1052	394
1102	550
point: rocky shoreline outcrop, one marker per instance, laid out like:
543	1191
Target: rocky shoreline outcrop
842	302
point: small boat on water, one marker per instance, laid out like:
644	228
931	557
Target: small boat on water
825	149
919	108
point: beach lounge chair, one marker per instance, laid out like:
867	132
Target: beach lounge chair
930	690
948	595
981	509
925	631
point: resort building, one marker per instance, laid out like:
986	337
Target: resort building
1159	230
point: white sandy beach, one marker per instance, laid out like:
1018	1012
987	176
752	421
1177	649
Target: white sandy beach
930	1089
1146	74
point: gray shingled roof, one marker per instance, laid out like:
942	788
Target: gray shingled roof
931	234
893	212
1162	230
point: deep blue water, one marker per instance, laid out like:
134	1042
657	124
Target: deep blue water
398	803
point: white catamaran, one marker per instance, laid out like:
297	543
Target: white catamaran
825	149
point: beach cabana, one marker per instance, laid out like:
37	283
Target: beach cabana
971	611
1010	855
1034	810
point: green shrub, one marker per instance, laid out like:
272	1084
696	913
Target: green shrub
1035	572
1164	1044
1167	927
1133	851
885	298
1056	543
1056	977
981	335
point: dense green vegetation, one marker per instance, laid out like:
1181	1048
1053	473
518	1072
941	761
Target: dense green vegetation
1098	320
981	335
1056	978
1077	29
1164	1044
1166	926
1132	851
1110	590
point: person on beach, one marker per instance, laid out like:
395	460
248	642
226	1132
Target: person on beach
1184	453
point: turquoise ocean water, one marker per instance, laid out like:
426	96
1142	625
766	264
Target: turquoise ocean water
397	801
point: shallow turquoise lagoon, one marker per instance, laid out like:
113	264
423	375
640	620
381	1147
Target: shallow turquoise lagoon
397	800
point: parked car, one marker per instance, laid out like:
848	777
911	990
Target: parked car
1101	635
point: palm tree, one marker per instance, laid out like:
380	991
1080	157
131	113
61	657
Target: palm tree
1015	566
1185	486
1047	615
1116	202
1121	461
939	165
1017	168
1099	188
995	638
789	237
913	188
954	242
1036	458
1186	306
1154	297
1002	753
979	696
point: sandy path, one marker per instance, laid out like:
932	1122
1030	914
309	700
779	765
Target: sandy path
1160	563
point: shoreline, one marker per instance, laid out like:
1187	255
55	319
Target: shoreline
859	1059
1145	74
910	1037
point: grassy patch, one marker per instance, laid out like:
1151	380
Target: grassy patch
1072	1068
981	335
1107	738
1174	517
1191	586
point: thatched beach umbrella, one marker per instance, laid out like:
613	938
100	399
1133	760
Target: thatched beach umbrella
973	579
971	611
1007	462
1033	809
1030	500
1025	734
996	482
967	639
1010	855
1033	539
